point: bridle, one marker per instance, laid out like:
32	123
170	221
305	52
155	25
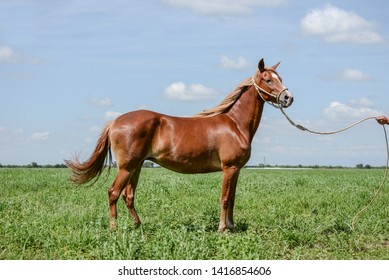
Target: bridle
276	96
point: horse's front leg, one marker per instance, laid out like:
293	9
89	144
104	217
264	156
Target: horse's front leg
227	199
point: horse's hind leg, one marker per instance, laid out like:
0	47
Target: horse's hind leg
114	191
129	195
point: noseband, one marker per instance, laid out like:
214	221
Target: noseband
261	90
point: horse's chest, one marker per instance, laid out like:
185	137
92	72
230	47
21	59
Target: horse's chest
235	153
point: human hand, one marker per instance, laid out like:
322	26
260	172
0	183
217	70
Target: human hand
382	120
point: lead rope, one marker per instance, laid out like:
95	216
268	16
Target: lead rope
378	190
380	186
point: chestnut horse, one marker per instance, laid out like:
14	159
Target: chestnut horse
218	139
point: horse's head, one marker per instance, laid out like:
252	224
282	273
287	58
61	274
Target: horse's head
269	86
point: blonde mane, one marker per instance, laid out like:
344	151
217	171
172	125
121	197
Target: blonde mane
228	102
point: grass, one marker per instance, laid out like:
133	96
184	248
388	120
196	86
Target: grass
279	214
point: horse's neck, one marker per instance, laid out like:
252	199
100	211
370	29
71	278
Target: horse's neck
247	113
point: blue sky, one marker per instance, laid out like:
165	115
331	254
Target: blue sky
67	67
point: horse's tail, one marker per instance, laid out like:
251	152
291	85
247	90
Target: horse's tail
86	171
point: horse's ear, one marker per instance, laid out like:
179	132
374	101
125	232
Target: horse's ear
261	66
274	67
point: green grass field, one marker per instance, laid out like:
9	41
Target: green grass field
279	214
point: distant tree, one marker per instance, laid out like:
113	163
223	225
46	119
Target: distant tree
360	166
367	166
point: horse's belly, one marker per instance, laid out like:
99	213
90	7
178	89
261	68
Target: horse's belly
189	163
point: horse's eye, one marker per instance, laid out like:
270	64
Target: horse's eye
268	81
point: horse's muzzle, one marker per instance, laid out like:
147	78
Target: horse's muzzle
285	99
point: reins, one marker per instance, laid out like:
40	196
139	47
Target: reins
303	128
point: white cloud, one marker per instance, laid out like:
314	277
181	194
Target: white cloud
105	102
355	75
110	115
364	102
235	64
194	92
357	109
223	7
40	135
335	25
8	55
349	74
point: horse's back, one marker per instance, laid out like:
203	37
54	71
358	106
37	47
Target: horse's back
150	119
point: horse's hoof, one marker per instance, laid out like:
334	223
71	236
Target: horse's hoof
227	229
222	230
137	225
113	225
